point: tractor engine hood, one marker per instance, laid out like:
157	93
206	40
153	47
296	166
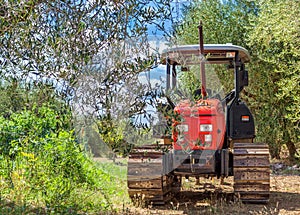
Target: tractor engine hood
199	126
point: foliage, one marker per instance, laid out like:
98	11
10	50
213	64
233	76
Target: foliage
73	42
275	45
44	166
91	51
223	21
59	38
112	134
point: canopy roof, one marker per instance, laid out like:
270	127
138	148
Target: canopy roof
218	53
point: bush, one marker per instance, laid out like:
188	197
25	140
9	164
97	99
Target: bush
43	166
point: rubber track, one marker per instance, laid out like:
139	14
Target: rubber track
251	172
147	178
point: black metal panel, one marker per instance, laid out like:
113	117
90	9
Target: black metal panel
168	75
174	76
236	127
225	162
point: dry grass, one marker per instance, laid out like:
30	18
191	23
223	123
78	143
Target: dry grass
212	198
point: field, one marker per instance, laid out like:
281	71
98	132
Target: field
207	198
212	198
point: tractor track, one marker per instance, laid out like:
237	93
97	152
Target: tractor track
147	178
251	168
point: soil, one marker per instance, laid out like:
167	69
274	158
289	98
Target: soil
212	198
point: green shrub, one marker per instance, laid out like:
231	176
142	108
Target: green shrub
43	166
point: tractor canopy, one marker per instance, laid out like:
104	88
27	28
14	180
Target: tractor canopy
204	63
216	53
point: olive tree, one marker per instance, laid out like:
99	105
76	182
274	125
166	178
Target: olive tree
90	50
275	44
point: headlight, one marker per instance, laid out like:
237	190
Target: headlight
207	138
206	127
183	128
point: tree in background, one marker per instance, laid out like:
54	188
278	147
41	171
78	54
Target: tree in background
224	22
275	46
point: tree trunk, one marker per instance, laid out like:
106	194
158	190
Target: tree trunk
292	150
275	151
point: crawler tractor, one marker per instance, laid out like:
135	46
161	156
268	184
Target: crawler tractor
206	134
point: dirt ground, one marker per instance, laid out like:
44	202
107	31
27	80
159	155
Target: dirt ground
212	198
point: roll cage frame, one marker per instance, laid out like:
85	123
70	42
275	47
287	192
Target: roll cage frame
234	56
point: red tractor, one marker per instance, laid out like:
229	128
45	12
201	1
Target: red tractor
210	135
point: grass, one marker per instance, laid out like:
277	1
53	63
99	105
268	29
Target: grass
118	173
107	195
